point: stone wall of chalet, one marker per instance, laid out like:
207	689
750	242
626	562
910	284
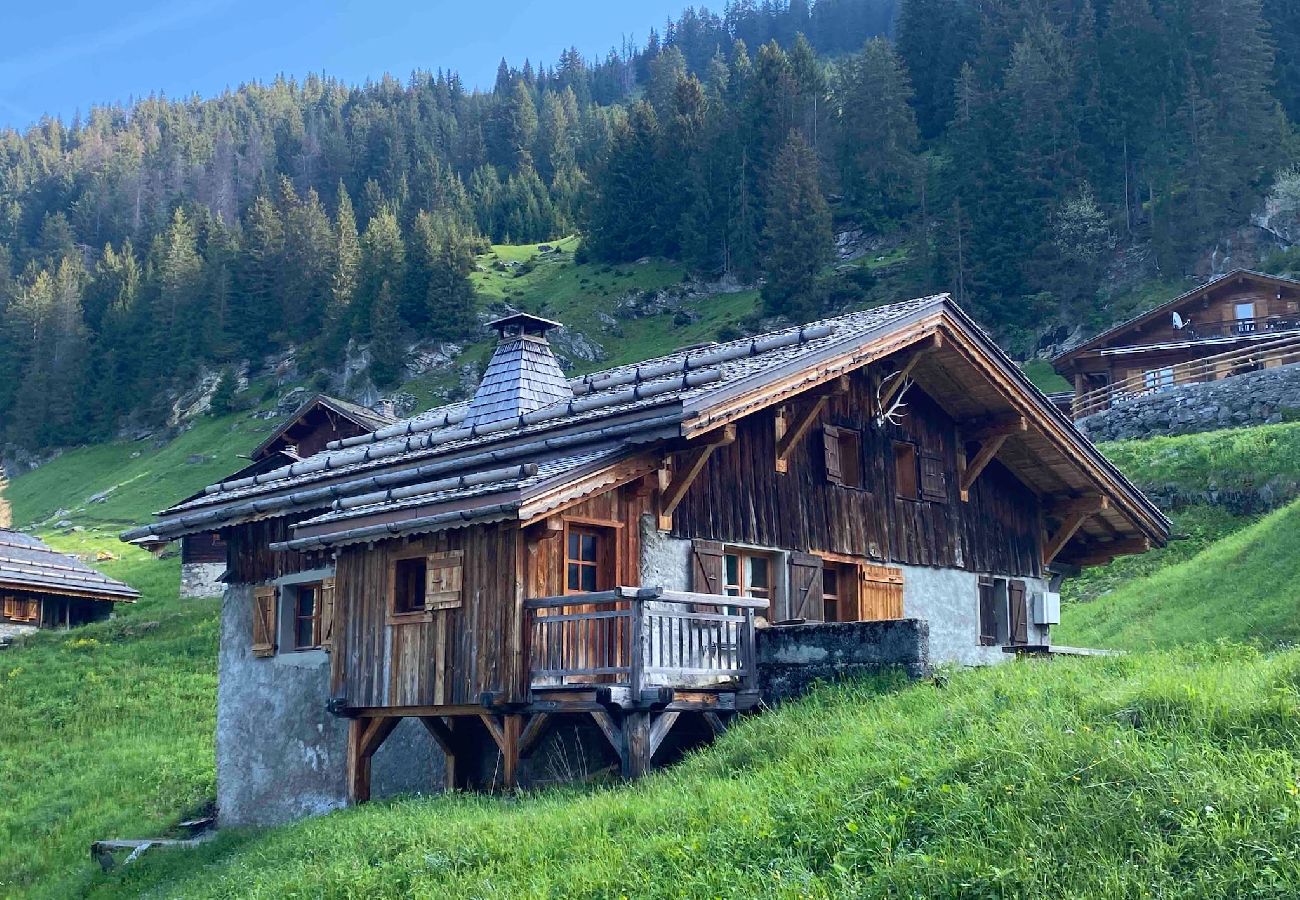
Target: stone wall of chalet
1256	398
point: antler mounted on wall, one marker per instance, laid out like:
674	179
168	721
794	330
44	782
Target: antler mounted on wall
889	398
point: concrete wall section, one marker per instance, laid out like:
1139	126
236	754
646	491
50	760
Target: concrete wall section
202	580
949	600
280	755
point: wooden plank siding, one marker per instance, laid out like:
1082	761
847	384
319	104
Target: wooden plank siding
448	656
250	559
741	498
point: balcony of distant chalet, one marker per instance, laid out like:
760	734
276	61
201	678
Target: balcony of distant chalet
1234	328
636	646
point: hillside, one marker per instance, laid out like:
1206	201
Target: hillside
920	789
146	244
1149	775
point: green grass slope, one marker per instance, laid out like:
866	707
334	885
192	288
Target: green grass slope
106	730
1151	775
1244	587
138	477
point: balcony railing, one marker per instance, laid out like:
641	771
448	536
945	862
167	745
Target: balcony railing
1204	331
1283	351
642	638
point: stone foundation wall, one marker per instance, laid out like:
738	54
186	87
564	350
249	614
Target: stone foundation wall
791	658
1256	398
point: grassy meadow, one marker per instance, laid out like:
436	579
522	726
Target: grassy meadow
1172	771
1143	776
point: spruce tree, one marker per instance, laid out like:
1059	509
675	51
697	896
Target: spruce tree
797	243
387	356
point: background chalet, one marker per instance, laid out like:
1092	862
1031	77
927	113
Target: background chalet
40	588
313	425
1238	323
591	562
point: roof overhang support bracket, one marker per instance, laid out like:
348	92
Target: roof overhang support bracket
675	482
1102	554
990	437
1071	514
889	392
791	430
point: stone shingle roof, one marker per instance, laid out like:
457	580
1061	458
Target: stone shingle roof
26	563
522	377
444	467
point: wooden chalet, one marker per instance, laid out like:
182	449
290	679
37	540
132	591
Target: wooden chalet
604	550
1217	330
307	431
40	588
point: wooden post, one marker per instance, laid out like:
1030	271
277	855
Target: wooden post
749	674
636	743
365	737
445	733
636	655
511	729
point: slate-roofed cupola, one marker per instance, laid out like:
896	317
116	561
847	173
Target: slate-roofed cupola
523	376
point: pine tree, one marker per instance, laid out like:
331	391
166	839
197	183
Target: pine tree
798	241
387	356
877	132
343	280
383	262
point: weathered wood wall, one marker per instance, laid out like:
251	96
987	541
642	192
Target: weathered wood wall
206	547
450	656
741	498
250	559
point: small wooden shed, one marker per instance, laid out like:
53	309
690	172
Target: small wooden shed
41	588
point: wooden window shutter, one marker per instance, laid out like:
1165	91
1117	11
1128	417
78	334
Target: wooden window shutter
327	593
806	600
880	593
707	567
445	574
831	448
264	621
1019	612
934	480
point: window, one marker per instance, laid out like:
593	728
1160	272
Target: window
835	583
588	560
748	575
20	609
906	473
1158	379
306	617
1245	315
988	613
843	454
410	578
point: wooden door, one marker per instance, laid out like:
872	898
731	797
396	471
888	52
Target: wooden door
1019	612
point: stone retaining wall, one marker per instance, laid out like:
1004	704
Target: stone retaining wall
1257	398
791	658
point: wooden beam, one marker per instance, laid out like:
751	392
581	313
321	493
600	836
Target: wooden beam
533	732
988	450
612	732
684	476
663	724
918	350
984	430
444	733
511	728
636	741
1072	514
1104	553
715	723
494	728
1065	507
789	434
365	737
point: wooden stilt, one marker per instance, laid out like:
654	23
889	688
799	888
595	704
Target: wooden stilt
636	742
447	735
365	736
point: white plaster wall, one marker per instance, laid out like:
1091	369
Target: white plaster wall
949	600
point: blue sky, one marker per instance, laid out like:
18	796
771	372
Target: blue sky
61	56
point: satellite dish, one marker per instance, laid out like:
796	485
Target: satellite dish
1178	322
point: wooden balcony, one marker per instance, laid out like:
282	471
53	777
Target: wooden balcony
637	643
